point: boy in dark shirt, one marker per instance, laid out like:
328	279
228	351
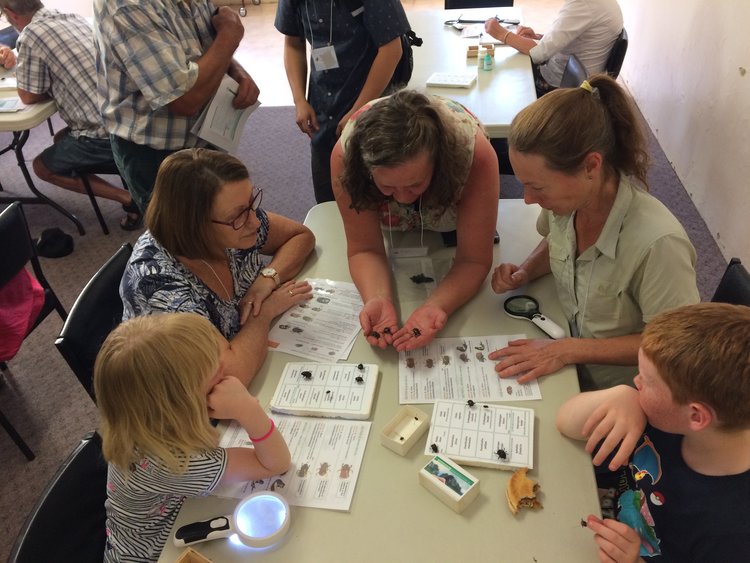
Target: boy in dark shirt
683	436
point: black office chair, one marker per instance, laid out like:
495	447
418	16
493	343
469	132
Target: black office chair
617	54
459	4
574	73
96	311
108	169
68	521
734	286
16	250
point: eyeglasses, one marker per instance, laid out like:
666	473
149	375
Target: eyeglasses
243	216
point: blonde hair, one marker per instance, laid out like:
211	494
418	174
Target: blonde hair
702	352
566	124
149	379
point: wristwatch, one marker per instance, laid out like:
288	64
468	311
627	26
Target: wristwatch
271	273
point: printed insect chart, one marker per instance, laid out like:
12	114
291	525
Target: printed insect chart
480	434
323	328
458	368
326	461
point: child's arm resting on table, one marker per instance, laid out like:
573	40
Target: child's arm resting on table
229	399
611	416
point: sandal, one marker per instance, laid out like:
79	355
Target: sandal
134	218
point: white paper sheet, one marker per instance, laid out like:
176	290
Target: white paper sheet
458	368
322	329
220	123
326	461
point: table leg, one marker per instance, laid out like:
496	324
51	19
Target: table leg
19	140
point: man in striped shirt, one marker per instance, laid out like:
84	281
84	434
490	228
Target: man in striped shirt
56	60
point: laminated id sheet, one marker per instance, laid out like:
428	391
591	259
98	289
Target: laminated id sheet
482	434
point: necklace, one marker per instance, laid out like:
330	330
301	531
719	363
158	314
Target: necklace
229	295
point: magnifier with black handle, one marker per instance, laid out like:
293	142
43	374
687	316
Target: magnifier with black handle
526	307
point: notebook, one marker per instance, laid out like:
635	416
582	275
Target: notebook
451	80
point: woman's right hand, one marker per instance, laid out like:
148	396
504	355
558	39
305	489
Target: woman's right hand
379	322
507	277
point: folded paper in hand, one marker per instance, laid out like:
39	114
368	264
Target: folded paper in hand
220	123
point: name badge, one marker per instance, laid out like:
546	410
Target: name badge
324	58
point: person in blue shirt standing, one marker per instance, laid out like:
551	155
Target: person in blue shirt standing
356	46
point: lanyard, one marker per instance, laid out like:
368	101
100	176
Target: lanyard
330	23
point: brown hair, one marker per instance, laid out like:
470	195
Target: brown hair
149	379
394	130
178	215
702	352
566	124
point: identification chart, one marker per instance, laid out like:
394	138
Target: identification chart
328	390
321	329
458	368
480	434
326	461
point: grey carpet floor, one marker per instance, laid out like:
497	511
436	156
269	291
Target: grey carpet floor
46	402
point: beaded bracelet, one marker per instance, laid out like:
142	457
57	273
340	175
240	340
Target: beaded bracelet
265	436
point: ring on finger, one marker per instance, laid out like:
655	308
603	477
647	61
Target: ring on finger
291	292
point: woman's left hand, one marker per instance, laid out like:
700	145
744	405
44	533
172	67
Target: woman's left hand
420	328
287	295
533	358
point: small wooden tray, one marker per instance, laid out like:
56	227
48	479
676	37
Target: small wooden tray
404	429
191	556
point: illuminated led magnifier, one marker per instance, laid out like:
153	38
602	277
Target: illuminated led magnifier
259	520
262	519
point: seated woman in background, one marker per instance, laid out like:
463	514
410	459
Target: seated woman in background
618	256
202	254
157	381
585	28
405	162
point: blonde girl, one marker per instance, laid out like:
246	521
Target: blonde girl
157	380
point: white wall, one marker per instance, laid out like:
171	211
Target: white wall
688	68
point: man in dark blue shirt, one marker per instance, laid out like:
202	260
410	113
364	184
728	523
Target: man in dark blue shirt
354	53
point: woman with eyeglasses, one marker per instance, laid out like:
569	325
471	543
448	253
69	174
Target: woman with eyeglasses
202	253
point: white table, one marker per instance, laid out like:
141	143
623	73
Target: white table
498	94
19	123
392	517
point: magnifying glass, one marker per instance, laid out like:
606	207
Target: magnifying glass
526	307
259	520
